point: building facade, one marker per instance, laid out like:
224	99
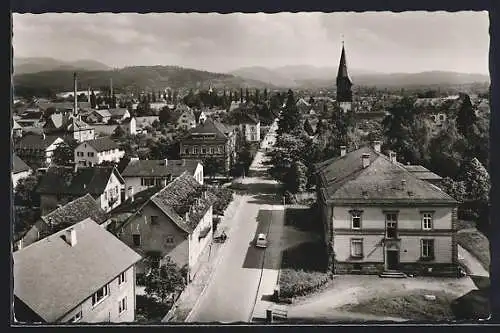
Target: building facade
106	294
210	140
37	150
378	216
176	223
97	151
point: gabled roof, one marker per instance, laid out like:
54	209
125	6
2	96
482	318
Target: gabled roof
183	196
249	119
75	124
103	113
102	144
210	126
18	165
63	180
76	211
118	112
34	141
15	125
51	277
160	168
344	180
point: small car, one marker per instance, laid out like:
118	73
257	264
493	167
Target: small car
261	241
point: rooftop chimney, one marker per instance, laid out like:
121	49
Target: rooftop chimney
376	146
186	216
392	157
366	160
183	162
75	95
343	150
70	237
166	161
75	169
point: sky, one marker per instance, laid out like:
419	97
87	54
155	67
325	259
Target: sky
375	41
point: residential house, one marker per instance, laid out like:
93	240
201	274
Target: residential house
61	218
176	222
96	151
37	150
60	185
210	139
250	127
129	126
142	174
378	216
19	170
65	124
81	274
119	114
99	116
186	120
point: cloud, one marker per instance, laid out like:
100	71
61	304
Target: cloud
379	41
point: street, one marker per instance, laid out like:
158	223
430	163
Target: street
234	288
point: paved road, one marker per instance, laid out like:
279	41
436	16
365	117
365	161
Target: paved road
233	291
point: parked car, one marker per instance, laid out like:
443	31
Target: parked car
261	241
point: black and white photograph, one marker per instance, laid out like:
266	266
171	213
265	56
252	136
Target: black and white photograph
250	168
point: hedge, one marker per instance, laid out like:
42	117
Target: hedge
295	283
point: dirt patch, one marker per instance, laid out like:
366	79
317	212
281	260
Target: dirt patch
411	305
477	244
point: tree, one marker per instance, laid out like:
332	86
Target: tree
165	281
213	166
477	181
311	100
241	95
456	189
447	151
257	96
290	117
265	94
24	193
466	117
93	100
297	181
119	132
64	153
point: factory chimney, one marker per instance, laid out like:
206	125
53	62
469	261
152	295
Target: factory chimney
75	95
88	95
111	87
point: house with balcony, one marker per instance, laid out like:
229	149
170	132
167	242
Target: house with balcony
37	150
176	222
60	185
81	274
61	218
140	175
19	170
97	151
211	139
379	216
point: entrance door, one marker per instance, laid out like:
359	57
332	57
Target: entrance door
392	259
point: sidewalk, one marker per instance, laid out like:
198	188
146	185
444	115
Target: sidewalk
188	298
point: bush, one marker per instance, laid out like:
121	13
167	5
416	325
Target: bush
224	198
290	198
295	283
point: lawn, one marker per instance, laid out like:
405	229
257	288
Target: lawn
304	266
477	244
412	306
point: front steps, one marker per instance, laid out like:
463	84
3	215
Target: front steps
393	274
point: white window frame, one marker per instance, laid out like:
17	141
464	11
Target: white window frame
122	305
427	220
422	247
195	150
356	214
353	242
77	317
95	301
122	278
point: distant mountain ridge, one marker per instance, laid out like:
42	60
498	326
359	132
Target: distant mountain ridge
305	76
41	64
132	79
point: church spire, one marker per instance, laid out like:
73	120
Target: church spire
344	82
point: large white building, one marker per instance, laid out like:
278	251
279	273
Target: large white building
96	151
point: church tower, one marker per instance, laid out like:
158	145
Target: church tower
344	84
